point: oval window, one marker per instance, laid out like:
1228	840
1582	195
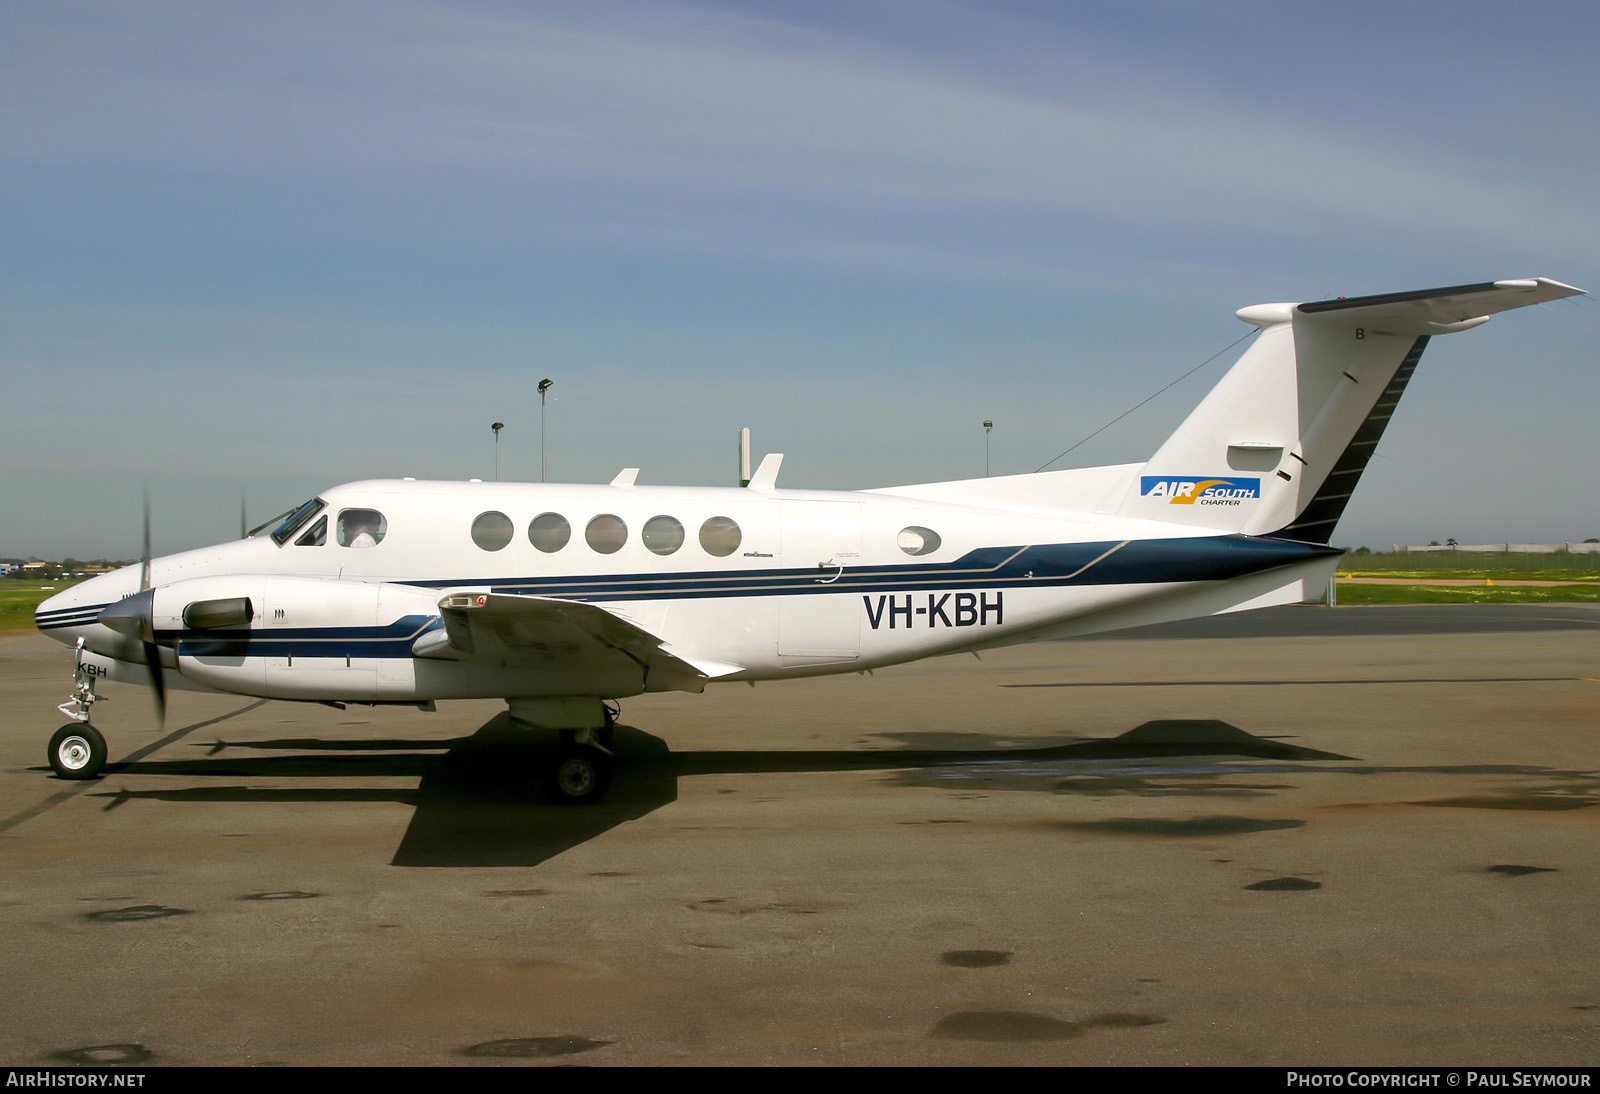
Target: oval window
549	532
491	530
720	536
917	540
663	535
606	533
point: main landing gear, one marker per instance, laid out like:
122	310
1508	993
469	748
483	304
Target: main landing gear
77	750
580	771
580	775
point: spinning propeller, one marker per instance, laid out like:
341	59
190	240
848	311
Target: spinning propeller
134	617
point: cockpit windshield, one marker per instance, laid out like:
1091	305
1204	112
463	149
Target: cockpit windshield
292	522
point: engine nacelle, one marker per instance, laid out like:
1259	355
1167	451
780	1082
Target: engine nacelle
295	637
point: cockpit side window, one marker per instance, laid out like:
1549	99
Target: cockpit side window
361	527
316	535
295	520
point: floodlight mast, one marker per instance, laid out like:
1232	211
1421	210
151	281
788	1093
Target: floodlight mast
496	428
988	427
544	386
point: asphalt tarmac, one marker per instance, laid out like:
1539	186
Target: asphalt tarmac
1354	836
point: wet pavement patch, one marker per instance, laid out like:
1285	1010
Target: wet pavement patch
281	894
934	822
1194	826
1123	1020
135	913
1202	784
1284	885
723	906
1018	1025
1005	1025
975	959
104	1054
534	1047
1511	869
1541	803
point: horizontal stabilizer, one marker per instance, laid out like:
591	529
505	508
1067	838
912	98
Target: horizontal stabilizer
1439	311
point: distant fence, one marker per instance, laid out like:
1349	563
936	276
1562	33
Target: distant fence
1503	548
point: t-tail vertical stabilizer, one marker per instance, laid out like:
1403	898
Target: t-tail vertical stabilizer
1279	444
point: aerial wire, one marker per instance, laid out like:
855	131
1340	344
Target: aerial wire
1141	403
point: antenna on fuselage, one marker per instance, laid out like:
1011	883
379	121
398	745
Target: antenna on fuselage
744	456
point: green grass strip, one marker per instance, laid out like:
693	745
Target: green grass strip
1468	594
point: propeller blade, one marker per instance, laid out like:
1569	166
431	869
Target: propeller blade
158	683
144	558
140	613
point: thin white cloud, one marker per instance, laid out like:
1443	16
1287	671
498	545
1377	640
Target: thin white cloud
659	118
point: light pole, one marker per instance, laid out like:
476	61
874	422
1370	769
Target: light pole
987	428
497	427
544	386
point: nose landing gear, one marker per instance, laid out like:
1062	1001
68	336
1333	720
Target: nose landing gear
77	750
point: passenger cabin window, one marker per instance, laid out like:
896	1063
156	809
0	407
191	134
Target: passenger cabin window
316	535
720	536
295	521
606	533
361	528
662	535
917	540
492	531
549	532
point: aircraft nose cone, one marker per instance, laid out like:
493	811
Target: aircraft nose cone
73	612
61	615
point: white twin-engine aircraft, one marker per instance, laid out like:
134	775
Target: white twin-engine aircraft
561	599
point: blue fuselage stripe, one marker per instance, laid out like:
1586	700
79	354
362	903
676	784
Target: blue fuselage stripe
1133	562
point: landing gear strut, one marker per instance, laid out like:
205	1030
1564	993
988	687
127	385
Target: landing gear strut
77	751
83	696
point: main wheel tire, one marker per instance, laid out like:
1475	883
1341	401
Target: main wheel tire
77	751
579	776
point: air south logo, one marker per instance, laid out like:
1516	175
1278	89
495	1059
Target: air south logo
1200	491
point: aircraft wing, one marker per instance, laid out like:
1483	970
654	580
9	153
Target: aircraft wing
541	633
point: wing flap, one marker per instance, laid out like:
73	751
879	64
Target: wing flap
538	632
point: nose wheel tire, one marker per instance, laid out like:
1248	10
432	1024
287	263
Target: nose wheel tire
579	776
77	751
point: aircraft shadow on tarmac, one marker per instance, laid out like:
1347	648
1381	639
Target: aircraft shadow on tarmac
480	803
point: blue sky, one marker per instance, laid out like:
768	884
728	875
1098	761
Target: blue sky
275	247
